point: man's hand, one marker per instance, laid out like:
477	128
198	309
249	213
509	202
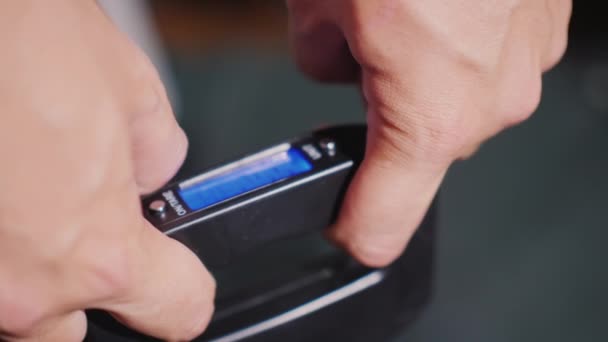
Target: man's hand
85	128
438	78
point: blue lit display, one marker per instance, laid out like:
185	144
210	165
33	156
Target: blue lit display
244	178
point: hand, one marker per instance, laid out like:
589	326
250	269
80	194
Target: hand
85	128
438	78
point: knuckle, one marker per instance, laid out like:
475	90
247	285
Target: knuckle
366	46
431	135
420	124
367	34
557	50
524	106
143	70
146	90
146	100
560	14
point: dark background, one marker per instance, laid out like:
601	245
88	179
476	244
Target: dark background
521	253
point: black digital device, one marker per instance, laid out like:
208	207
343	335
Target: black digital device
273	206
285	190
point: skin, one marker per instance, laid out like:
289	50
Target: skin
85	121
438	79
86	128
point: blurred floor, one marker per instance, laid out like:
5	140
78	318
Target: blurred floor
521	251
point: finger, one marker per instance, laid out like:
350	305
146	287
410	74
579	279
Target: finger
320	48
68	328
170	294
560	12
159	145
385	203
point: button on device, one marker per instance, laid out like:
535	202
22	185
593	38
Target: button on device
329	146
158	207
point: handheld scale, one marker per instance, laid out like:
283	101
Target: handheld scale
231	215
288	189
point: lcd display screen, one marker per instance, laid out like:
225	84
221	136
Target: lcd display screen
244	176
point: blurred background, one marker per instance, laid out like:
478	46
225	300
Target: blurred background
520	254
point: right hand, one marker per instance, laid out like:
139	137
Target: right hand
438	79
85	129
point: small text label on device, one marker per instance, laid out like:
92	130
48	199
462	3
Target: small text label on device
312	152
174	203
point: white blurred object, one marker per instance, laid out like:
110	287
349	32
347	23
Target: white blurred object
134	18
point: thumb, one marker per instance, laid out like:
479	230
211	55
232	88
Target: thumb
170	295
386	200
